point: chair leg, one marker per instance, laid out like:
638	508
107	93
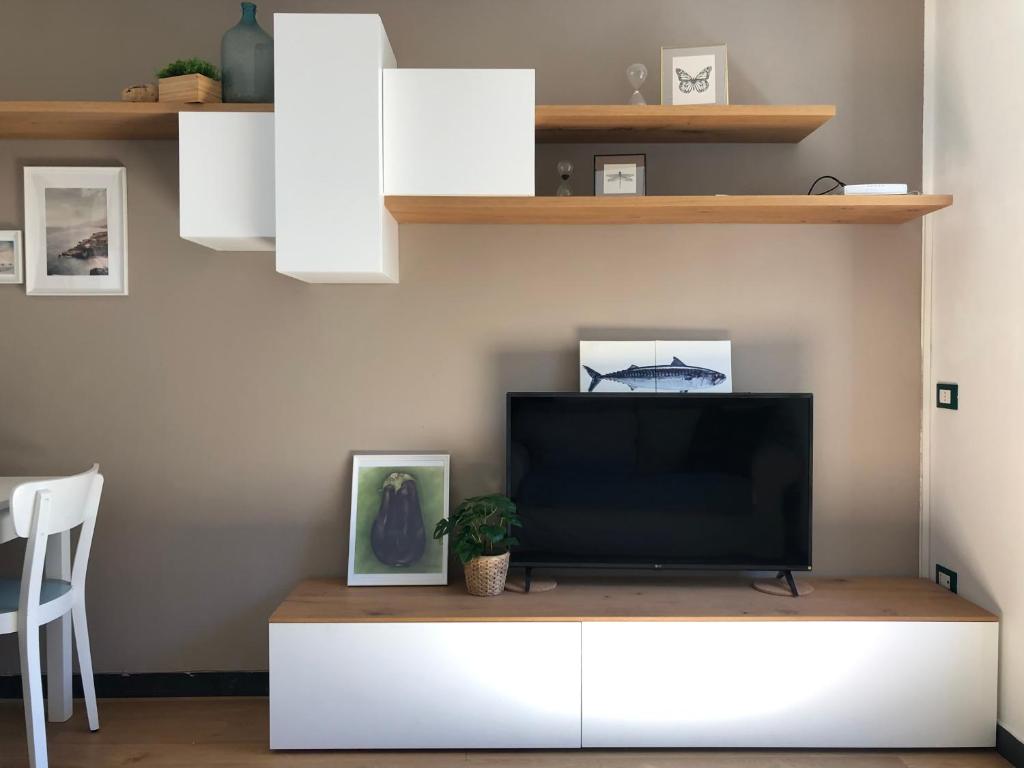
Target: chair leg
32	692
85	662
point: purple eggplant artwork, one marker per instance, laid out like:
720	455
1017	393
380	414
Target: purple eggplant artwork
398	537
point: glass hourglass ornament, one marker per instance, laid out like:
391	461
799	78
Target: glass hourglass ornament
564	173
637	76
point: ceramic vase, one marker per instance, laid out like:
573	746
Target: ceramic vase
247	60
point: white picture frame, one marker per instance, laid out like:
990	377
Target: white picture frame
76	224
695	75
620	175
384	560
11	257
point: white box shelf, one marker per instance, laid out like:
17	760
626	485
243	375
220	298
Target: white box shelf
332	226
226	178
459	132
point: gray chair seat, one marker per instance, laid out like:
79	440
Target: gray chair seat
10	591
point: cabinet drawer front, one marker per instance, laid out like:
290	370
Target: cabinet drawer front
425	685
789	684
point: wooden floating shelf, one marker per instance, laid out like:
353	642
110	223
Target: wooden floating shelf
570	123
733	209
102	119
702	123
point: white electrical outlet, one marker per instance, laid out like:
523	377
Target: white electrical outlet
944	580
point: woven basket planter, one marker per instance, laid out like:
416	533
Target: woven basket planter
485	575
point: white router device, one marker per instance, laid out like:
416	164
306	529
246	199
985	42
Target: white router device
875	189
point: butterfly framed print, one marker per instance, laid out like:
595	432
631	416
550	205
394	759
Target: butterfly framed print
695	75
620	175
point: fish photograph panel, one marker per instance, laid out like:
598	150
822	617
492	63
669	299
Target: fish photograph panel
615	366
655	366
695	365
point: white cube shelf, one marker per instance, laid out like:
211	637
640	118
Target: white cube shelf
332	226
459	131
348	127
226	178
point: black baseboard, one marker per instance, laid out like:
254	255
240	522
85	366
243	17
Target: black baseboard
1010	747
159	684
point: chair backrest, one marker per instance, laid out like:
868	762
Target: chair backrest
71	501
46	507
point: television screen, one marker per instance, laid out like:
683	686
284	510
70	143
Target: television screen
661	480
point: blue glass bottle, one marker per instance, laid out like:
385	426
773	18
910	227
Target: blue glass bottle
247	60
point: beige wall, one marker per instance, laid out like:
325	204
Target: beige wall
973	458
224	401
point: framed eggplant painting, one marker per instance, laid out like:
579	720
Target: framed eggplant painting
76	232
397	499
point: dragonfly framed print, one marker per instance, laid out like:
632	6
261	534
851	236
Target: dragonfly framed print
76	231
695	75
620	175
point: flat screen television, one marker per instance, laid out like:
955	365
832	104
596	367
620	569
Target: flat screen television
661	480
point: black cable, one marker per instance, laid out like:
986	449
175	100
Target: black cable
837	185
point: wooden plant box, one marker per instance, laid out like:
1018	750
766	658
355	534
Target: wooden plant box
190	89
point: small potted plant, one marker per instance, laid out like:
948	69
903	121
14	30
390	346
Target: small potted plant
190	81
481	535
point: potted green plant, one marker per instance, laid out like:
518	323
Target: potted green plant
190	81
481	535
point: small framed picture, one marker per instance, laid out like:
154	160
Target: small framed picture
76	232
10	257
396	503
695	75
620	175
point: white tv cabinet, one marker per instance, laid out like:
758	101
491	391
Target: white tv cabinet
689	662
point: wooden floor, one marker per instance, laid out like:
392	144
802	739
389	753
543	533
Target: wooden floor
232	733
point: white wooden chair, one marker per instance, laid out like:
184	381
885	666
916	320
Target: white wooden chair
40	509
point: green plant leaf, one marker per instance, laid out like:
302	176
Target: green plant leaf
442	529
480	525
191	66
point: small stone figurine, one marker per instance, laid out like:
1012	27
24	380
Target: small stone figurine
564	172
637	76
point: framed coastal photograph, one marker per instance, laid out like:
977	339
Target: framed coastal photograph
620	175
397	499
656	366
10	257
76	232
695	75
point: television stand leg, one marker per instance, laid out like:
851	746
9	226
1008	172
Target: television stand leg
790	582
527	578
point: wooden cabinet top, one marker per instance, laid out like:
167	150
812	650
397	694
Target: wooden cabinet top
675	598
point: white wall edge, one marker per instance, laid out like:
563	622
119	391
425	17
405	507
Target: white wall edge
927	183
